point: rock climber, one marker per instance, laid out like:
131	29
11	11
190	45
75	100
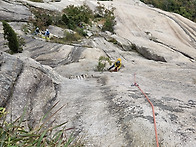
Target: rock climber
117	65
37	31
47	33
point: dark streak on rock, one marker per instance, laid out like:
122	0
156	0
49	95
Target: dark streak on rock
118	110
160	104
173	117
13	82
73	56
49	104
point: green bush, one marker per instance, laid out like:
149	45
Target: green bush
102	63
107	17
65	19
81	31
12	38
74	15
43	18
109	24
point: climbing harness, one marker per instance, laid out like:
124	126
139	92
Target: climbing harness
155	128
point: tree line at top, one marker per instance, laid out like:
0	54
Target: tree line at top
186	8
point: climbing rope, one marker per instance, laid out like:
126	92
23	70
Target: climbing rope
155	128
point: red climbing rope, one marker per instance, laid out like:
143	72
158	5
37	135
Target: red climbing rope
155	128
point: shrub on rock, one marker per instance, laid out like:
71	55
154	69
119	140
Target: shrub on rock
11	37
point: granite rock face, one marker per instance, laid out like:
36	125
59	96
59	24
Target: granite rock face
11	69
25	83
13	11
157	49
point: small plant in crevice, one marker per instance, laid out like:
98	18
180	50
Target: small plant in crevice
133	46
103	61
113	40
17	133
2	112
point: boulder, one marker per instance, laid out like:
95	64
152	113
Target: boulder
25	83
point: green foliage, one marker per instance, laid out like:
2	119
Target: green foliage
99	11
18	134
107	17
2	112
73	16
65	19
43	18
102	63
182	7
113	40
81	31
12	38
109	24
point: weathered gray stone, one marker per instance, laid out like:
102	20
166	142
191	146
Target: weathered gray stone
13	11
106	108
10	70
26	84
57	31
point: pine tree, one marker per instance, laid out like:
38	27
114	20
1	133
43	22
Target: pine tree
11	37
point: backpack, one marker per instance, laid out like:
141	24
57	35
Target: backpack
47	33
